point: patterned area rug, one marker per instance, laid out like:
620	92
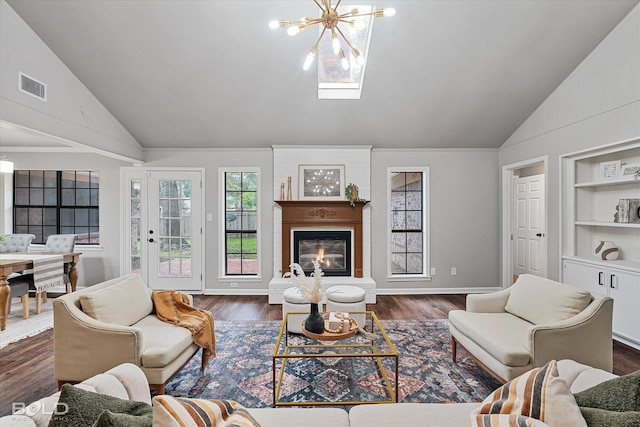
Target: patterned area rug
242	369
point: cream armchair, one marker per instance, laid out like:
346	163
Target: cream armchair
114	322
534	321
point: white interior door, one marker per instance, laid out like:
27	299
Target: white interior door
529	225
162	225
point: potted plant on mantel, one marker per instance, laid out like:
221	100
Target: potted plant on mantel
351	194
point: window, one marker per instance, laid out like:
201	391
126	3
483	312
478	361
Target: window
57	202
408	222
241	223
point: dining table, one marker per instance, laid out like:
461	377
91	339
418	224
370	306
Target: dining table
16	265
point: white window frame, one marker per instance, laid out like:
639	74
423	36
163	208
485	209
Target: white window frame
426	227
222	258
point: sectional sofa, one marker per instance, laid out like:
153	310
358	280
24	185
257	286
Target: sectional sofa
127	381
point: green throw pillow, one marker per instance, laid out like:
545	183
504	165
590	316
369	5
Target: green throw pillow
83	408
621	394
602	418
112	419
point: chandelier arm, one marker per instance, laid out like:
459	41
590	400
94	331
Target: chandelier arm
325	4
345	39
337	4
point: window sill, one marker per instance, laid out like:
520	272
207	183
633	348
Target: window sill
240	279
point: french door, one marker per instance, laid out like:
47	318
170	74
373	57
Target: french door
162	220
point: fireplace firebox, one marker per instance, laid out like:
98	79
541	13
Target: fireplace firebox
331	248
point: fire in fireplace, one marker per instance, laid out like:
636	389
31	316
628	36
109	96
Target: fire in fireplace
331	248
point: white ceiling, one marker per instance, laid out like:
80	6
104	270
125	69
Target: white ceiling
441	73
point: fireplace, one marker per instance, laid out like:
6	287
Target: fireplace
331	248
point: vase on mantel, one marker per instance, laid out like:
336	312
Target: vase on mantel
314	322
607	250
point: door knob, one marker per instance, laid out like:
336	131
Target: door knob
539	234
151	240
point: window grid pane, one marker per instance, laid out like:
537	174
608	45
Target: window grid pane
407	234
241	223
57	202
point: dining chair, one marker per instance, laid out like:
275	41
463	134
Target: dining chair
61	243
16	242
19	287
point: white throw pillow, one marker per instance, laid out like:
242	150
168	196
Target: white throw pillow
124	303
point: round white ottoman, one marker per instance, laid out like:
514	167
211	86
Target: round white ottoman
293	301
347	299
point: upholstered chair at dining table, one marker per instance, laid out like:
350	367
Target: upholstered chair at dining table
60	243
19	287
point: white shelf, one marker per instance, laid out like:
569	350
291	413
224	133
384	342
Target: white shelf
608	224
618	263
593	184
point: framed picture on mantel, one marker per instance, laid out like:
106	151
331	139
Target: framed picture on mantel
321	182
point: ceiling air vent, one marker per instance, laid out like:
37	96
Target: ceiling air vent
31	86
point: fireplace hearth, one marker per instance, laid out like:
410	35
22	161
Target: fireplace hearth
330	248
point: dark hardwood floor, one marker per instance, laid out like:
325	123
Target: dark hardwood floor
26	367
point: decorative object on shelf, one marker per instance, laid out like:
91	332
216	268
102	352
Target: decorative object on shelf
282	191
616	216
609	170
351	193
330	19
310	288
628	211
629	172
607	250
321	182
289	188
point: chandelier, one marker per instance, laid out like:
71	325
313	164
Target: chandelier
330	20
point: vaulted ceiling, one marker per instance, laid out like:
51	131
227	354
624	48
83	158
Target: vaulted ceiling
441	73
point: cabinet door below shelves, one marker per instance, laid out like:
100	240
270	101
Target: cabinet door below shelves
625	290
588	277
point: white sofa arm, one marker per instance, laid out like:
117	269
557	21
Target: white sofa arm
585	337
85	346
493	302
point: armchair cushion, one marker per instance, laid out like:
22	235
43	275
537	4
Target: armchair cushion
163	342
503	335
529	300
124	303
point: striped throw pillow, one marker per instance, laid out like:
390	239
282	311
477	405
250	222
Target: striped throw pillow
539	394
169	411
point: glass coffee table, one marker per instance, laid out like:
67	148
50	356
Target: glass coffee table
322	370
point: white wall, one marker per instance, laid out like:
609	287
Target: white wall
464	215
598	104
71	111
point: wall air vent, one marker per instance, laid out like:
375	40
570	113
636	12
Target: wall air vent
32	87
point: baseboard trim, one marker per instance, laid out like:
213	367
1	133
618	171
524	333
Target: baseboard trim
429	291
379	291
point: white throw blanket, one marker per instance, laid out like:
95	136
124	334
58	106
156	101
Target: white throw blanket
47	269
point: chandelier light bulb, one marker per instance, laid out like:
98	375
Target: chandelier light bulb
293	30
388	12
274	25
335	42
308	61
343	60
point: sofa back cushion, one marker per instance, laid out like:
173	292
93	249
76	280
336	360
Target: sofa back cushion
123	303
539	300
